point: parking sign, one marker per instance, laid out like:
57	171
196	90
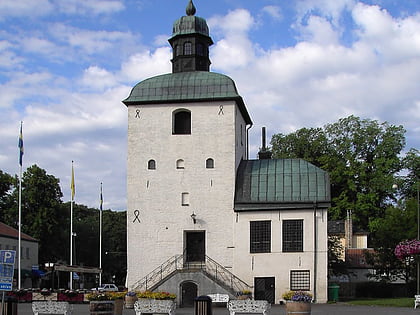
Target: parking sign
7	265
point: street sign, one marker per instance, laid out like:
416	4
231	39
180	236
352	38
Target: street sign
7	265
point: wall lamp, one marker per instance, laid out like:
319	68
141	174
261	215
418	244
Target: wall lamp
194	217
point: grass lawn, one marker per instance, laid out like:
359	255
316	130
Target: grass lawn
398	302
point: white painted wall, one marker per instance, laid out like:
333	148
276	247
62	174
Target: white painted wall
276	263
157	193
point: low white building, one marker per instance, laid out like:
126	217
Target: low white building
202	218
9	238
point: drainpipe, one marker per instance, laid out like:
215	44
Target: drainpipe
247	141
315	250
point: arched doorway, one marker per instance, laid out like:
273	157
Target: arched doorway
188	293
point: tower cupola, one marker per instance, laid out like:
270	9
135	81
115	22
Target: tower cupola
190	42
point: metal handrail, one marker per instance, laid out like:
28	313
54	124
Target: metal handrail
210	267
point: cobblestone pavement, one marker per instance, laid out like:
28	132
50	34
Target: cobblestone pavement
317	309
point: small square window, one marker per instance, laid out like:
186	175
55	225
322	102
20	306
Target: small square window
300	280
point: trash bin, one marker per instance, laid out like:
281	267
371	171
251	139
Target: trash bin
9	305
202	305
333	293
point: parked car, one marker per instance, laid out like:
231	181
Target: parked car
107	287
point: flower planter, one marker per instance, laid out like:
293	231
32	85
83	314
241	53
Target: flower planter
295	307
155	306
130	300
101	307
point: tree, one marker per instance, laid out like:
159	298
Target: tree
41	199
361	157
6	197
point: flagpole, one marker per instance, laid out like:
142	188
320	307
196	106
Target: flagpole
20	204
100	239
71	224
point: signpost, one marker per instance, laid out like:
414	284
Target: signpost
7	266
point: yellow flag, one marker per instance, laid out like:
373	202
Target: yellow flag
72	186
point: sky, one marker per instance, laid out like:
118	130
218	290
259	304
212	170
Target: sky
66	65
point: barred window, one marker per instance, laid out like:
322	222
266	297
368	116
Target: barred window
300	280
260	236
292	236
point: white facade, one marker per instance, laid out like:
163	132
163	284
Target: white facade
278	264
157	230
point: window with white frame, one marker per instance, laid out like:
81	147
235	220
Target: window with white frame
260	236
292	236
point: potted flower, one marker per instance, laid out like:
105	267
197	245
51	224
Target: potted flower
101	303
244	295
130	298
118	298
298	302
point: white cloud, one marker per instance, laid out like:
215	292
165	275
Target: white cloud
90	42
89	6
97	78
273	11
147	64
235	49
23	8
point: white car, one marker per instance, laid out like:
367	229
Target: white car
108	287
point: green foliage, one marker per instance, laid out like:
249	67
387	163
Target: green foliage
361	156
47	218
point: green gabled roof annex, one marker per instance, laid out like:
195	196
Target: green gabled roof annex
280	184
193	86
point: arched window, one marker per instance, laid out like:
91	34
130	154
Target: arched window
185	199
209	163
180	164
181	122
151	165
187	48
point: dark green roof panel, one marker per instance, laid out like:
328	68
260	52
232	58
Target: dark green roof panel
280	181
194	86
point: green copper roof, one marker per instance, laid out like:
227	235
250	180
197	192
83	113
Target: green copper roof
194	86
279	184
190	24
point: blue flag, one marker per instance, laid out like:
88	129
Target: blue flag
102	200
20	145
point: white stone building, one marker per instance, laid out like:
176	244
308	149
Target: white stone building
202	218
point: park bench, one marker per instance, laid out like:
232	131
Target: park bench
219	298
51	307
249	306
416	301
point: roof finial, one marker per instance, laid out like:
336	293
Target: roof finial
190	8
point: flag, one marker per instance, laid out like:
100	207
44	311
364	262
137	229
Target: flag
72	186
20	145
102	200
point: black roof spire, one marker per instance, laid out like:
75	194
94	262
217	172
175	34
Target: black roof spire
190	9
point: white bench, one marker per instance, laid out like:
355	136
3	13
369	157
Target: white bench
249	306
51	307
416	301
154	306
219	298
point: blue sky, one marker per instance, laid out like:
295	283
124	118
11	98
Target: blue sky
66	65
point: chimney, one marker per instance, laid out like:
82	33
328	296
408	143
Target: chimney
264	153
